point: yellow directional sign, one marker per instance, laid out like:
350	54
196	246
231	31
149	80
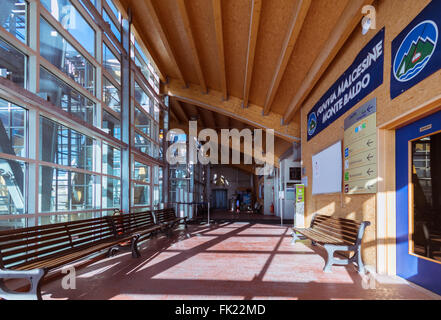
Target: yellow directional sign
361	173
363	145
360	150
361	186
361	159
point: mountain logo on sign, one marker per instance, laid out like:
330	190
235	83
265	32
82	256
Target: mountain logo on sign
312	123
415	51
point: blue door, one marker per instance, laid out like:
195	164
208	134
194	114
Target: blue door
418	185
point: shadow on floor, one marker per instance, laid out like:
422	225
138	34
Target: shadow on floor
227	261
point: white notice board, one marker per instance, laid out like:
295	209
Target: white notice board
327	170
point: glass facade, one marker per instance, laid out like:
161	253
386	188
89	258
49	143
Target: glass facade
13	64
64	96
13	17
59	52
65	13
111	63
112	95
65	166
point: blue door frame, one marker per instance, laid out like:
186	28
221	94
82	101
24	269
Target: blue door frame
421	271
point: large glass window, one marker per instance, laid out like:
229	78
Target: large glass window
61	218
13	17
143	144
112	95
111	193
63	190
111	160
113	26
12	64
12	187
141	172
65	146
65	97
111	63
72	21
59	52
114	9
141	194
142	122
143	99
111	125
13	131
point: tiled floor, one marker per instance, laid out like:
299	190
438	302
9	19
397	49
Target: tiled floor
228	261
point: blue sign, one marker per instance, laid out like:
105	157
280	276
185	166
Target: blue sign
361	78
416	51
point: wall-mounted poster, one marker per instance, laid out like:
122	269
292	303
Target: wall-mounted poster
416	51
363	76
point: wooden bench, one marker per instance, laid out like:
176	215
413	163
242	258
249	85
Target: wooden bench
141	224
167	219
30	253
336	234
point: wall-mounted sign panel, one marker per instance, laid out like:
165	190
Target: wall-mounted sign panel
416	51
363	145
361	78
360	150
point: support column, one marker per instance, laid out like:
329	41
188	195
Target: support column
126	164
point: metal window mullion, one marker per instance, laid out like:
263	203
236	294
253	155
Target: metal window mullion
67	120
145	86
110	78
101	23
138	106
126	84
8	37
144	135
112	112
112	16
67	168
112	48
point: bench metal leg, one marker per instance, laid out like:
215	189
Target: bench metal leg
295	237
33	276
113	251
134	247
330	259
359	261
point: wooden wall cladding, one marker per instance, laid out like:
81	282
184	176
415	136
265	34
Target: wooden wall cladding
395	15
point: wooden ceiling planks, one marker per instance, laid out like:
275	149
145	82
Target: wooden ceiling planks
295	26
348	20
258	52
252	40
190	40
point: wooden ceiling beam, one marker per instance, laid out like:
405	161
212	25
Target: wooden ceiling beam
173	115
232	108
149	7
180	111
346	24
190	39
208	118
217	12
291	37
252	40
